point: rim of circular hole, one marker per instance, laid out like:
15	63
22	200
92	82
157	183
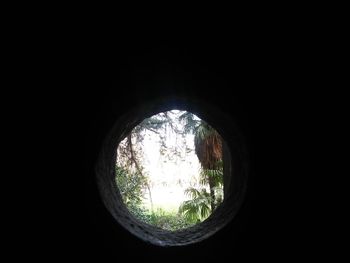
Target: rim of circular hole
236	173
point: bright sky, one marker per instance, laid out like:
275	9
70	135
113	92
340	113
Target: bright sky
169	178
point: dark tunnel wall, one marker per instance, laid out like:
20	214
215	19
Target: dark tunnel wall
235	172
99	83
211	75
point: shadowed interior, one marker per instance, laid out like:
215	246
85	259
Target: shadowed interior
235	172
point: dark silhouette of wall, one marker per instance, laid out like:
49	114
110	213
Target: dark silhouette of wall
102	80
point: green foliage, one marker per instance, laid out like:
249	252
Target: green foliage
139	212
219	195
133	185
216	175
131	189
169	220
197	208
130	186
203	130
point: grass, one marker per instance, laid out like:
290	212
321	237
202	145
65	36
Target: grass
168	220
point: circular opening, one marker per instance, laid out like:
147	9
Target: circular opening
234	173
169	170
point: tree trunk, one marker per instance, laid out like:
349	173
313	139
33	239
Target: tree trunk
209	151
212	193
139	170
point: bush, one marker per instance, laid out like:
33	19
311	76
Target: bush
169	220
131	189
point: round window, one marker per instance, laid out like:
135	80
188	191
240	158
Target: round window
173	172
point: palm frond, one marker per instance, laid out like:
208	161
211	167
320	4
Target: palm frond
198	208
215	175
208	146
205	211
192	192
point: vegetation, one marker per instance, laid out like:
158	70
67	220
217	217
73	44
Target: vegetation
131	187
171	221
133	183
208	147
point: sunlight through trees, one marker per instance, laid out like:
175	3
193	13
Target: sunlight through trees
169	170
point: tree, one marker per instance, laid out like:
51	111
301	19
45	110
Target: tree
129	156
128	160
208	148
130	187
198	207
